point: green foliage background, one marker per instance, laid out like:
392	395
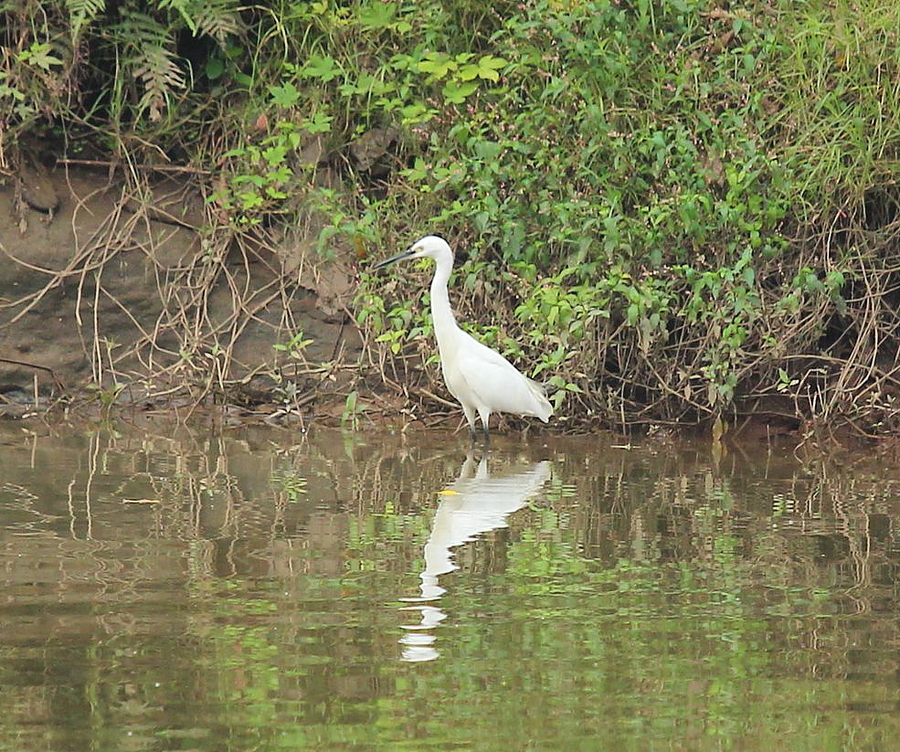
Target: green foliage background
668	211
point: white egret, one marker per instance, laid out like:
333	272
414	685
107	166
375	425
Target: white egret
482	380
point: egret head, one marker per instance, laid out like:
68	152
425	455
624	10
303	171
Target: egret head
431	246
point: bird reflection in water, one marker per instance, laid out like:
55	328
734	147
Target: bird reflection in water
476	503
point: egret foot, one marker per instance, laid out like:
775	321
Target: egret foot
485	437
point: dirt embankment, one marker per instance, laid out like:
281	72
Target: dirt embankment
127	294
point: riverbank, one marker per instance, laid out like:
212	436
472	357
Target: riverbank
669	213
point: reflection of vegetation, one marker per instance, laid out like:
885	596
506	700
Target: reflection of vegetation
645	597
376	539
286	481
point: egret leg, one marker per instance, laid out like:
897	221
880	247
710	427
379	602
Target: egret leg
485	416
470	417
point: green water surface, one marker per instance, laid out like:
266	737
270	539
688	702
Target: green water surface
187	589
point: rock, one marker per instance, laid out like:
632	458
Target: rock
38	191
372	146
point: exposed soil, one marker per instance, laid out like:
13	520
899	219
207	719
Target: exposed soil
102	289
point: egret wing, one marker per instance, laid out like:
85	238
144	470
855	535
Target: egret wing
496	384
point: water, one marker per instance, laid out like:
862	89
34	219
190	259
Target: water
185	589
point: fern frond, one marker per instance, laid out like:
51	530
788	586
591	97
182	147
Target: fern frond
137	29
217	19
82	12
160	75
184	9
151	56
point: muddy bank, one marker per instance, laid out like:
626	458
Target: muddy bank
126	294
116	295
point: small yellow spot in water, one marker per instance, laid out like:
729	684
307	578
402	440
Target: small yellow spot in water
448	492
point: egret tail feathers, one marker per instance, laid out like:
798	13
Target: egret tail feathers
540	395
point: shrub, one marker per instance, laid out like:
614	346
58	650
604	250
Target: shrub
669	211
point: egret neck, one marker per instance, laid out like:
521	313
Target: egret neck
442	317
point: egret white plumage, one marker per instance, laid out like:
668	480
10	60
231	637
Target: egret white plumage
481	380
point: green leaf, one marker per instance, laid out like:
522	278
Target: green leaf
215	67
457	93
468	72
318	123
323	68
285	96
437	65
488	67
378	15
39	54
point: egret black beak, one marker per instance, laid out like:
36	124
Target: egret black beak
399	257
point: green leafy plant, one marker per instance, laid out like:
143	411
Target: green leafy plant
657	205
294	347
353	410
